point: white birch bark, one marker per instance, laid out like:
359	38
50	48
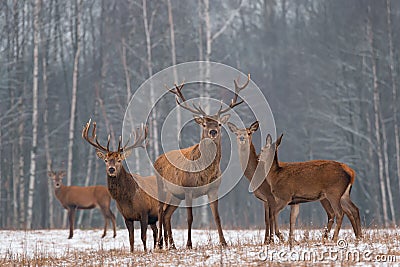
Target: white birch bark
32	170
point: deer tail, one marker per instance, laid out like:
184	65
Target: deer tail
350	172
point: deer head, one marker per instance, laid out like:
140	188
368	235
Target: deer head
113	159
56	177
211	124
243	135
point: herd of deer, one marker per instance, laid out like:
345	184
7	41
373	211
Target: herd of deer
282	184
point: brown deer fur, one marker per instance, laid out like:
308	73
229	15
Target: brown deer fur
77	197
252	169
196	168
300	182
169	175
133	201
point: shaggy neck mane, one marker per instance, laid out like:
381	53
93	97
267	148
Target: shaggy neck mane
122	185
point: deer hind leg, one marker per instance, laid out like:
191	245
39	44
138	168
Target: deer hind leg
352	213
106	216
294	212
167	220
188	198
155	233
130	226
71	218
112	216
214	209
335	203
331	216
268	229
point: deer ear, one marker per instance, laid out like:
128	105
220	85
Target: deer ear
279	140
100	154
50	174
254	127
232	127
127	154
224	118
198	120
268	140
61	173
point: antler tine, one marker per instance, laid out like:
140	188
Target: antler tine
234	102
179	95
93	139
140	135
119	143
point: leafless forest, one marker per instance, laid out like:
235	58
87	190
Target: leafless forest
329	69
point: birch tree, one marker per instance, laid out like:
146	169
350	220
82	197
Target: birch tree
71	130
32	172
376	106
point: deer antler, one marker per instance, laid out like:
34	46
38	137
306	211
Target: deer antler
140	139
93	139
178	92
234	102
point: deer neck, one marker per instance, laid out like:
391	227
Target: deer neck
121	184
211	149
249	162
59	192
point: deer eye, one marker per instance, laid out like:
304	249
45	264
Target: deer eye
219	124
204	125
119	160
105	161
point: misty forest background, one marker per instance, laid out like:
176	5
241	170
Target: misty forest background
328	68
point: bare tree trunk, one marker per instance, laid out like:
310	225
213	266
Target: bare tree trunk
392	73
73	102
87	182
386	167
47	142
147	31
128	97
35	88
45	41
376	99
173	59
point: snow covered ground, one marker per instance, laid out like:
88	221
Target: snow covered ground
51	247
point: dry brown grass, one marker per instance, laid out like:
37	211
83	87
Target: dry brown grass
243	250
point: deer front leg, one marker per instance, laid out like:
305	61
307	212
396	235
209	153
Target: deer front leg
214	209
143	229
71	218
130	226
154	228
294	212
267	238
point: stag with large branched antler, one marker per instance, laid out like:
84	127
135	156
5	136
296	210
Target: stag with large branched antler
194	171
134	202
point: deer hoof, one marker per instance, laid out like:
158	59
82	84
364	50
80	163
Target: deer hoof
189	245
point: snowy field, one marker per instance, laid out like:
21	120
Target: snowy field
52	248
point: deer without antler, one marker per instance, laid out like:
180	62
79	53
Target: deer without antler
128	190
300	182
194	171
78	197
252	169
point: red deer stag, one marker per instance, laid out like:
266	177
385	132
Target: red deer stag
252	169
194	171
132	200
299	182
77	197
